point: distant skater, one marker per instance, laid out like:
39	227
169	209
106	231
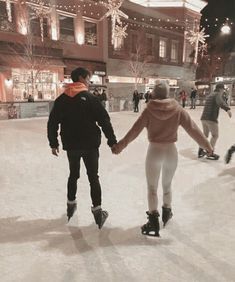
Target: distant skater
209	117
136	100
193	97
183	98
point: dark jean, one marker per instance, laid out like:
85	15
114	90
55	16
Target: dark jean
91	161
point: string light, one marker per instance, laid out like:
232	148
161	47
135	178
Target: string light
8	9
180	24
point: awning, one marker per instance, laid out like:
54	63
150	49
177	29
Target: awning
17	61
71	64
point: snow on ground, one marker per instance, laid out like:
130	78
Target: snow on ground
37	244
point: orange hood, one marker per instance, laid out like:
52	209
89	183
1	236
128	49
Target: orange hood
72	89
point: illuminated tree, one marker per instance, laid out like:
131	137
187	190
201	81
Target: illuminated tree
138	58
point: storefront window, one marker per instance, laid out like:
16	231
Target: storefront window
42	85
66	28
5	24
90	33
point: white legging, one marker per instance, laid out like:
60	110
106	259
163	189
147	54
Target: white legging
165	157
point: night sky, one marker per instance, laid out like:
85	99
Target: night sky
220	9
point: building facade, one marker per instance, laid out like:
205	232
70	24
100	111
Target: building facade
36	61
41	44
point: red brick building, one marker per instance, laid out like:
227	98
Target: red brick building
73	35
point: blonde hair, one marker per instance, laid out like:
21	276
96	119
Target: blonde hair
160	90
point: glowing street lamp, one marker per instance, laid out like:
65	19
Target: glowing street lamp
225	29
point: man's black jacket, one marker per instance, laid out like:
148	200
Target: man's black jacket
78	117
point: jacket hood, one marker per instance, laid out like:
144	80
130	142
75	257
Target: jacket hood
163	109
72	89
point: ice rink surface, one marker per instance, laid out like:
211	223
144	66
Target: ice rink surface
37	244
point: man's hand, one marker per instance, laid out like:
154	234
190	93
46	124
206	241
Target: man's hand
229	113
115	149
55	151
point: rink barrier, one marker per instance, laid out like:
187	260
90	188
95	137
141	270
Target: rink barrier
18	110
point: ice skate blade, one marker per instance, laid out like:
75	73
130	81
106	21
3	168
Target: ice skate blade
103	220
70	214
212	159
151	233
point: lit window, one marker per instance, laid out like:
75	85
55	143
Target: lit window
5	25
90	33
149	43
174	50
42	85
66	28
162	48
35	28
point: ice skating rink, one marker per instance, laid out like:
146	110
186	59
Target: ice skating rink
37	244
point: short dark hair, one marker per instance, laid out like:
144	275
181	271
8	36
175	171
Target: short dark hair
219	86
79	72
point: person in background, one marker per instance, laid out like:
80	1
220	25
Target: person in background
78	112
136	100
162	118
209	117
30	98
147	96
103	98
229	154
183	98
193	97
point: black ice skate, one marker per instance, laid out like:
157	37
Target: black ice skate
229	153
201	153
166	215
100	216
151	228
214	157
71	208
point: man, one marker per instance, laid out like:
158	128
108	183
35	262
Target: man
136	100
103	98
77	112
193	98
209	117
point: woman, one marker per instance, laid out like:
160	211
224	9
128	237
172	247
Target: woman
183	98
162	117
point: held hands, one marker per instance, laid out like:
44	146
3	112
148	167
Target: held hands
116	149
55	151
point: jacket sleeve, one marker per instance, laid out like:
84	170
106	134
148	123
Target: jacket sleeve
135	130
221	103
194	131
53	126
103	120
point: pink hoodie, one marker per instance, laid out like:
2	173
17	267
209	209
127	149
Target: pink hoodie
162	119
